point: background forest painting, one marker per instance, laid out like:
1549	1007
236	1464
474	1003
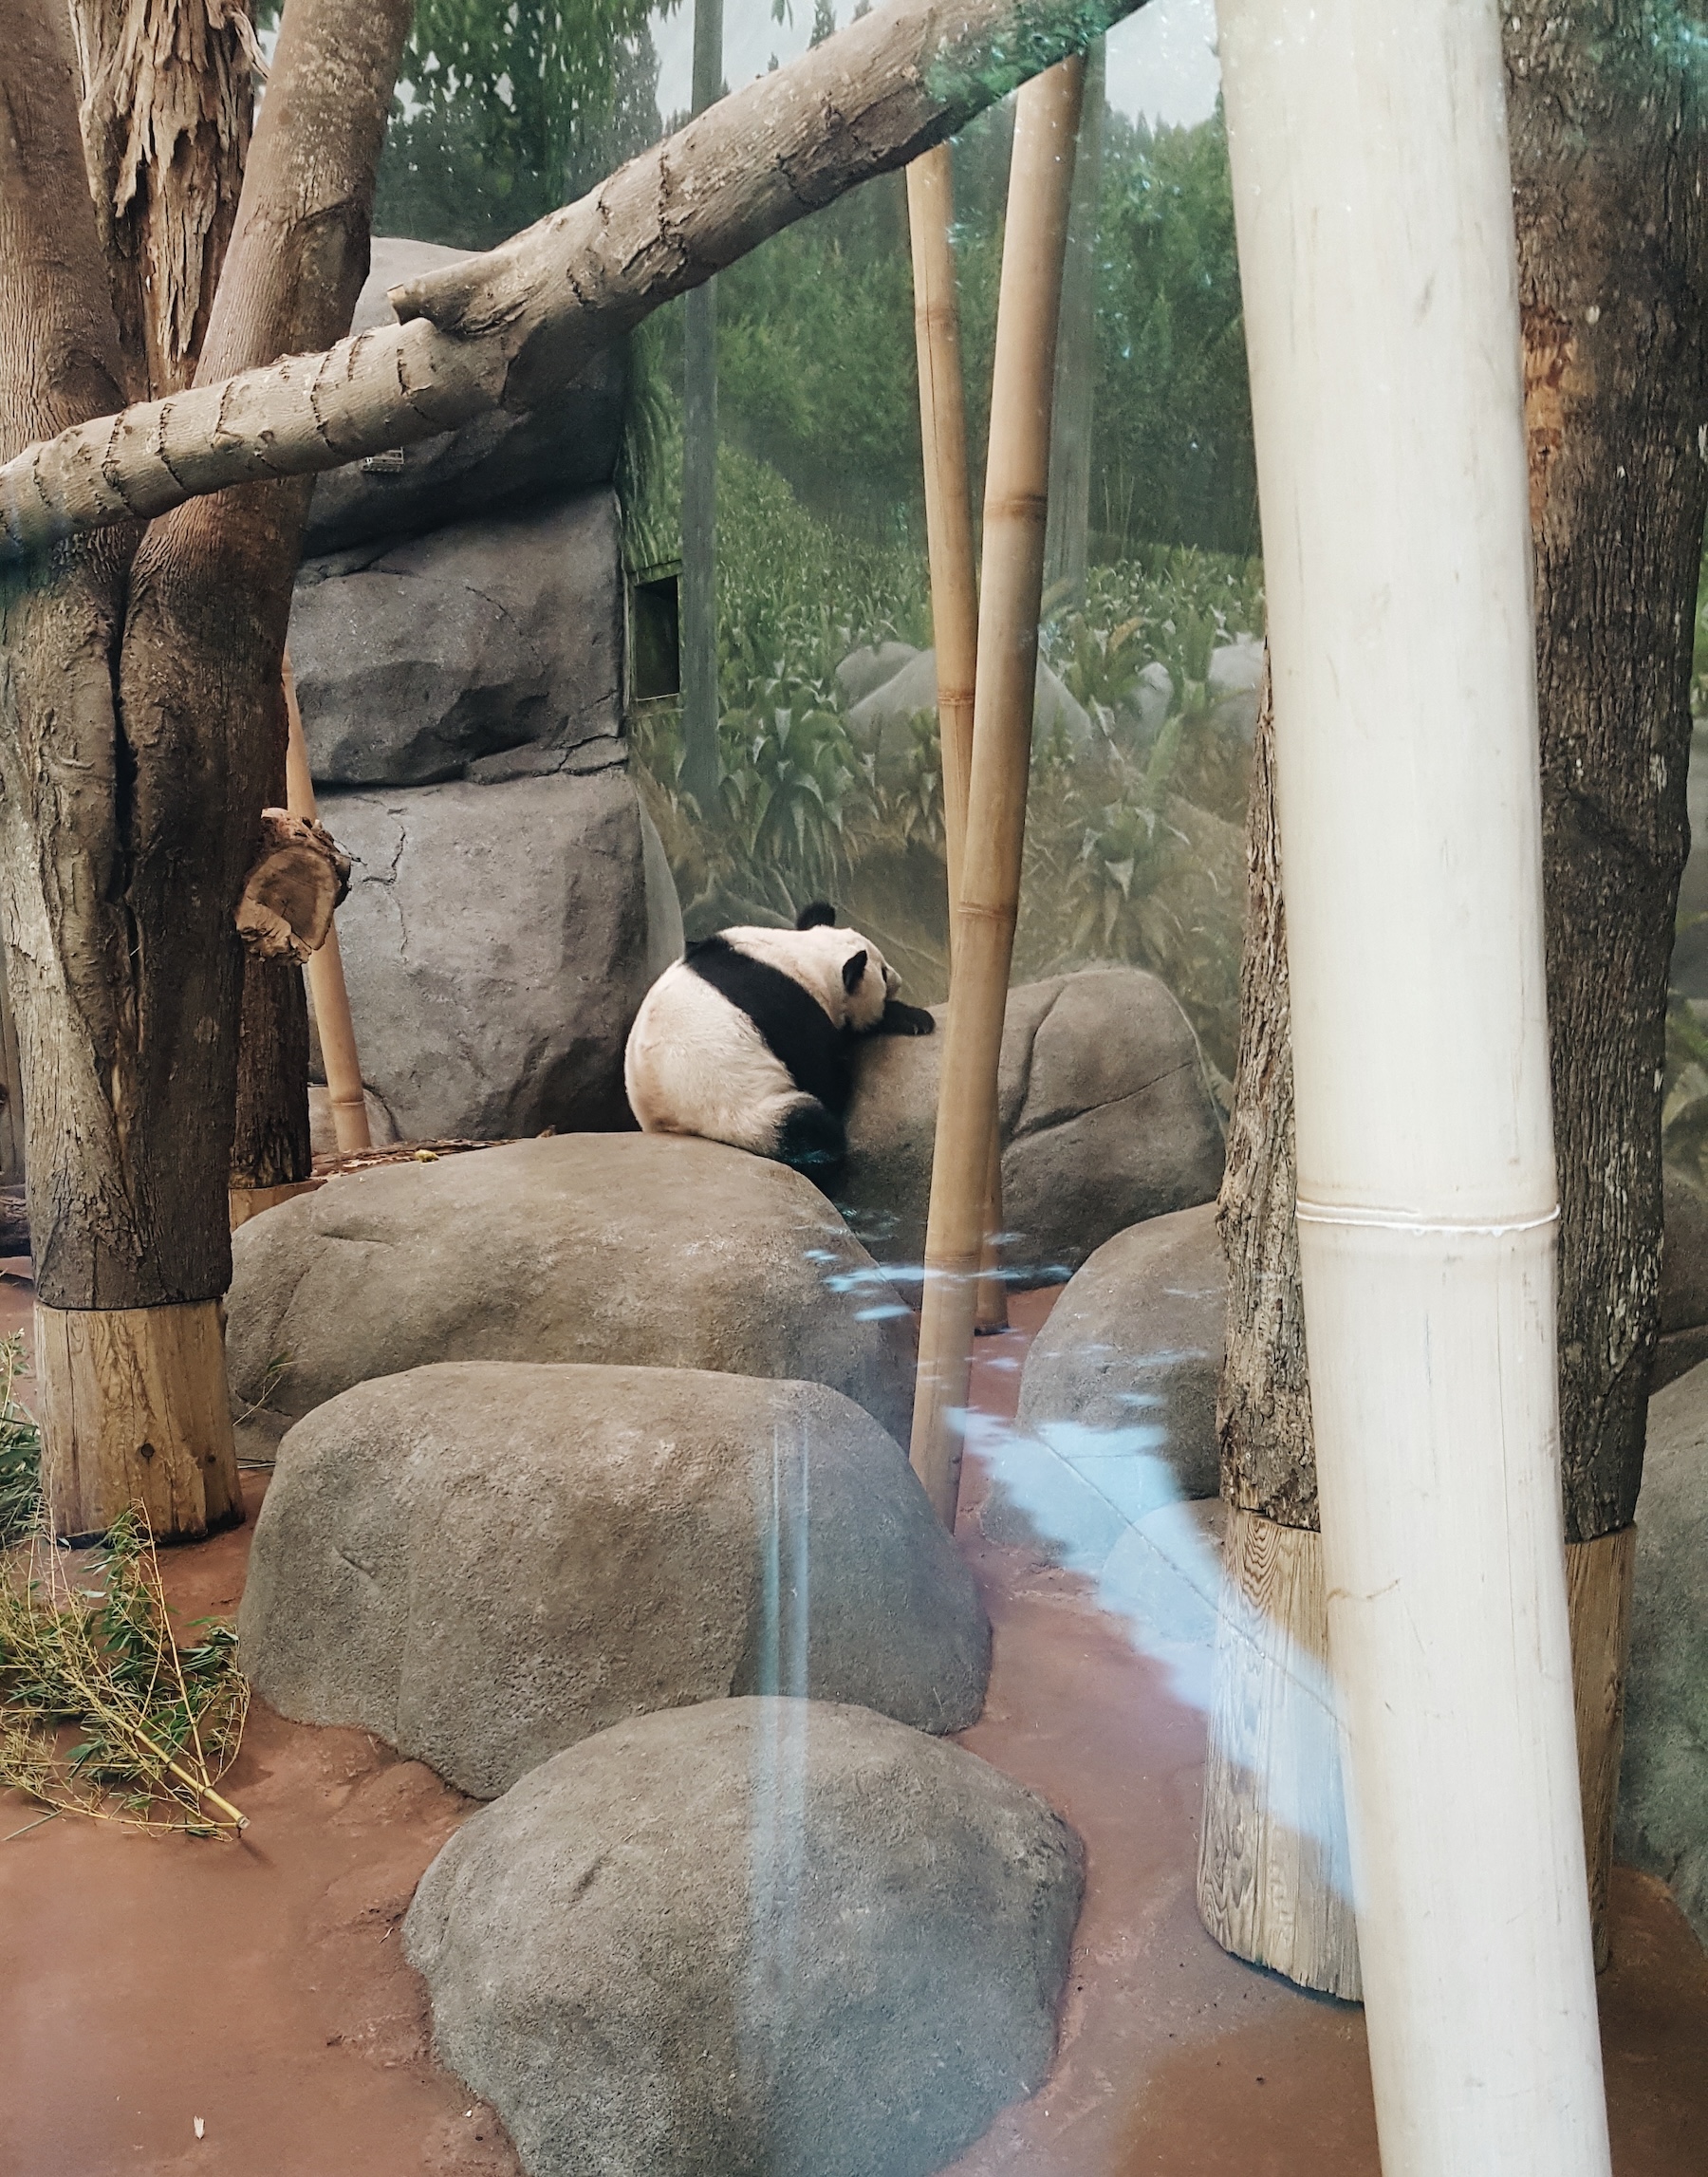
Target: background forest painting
830	780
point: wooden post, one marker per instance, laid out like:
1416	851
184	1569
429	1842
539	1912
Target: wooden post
1016	487
1372	195
953	592
327	986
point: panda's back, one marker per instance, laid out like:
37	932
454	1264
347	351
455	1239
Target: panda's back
792	1024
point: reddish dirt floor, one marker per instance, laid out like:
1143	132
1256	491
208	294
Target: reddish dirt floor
259	1986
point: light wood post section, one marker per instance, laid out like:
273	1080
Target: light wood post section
1016	489
1275	1875
327	989
135	1412
953	591
1598	1598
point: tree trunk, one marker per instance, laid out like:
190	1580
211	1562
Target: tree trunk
1608	156
132	812
508	328
700	473
167	109
1067	539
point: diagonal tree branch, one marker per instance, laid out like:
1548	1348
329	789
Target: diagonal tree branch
504	329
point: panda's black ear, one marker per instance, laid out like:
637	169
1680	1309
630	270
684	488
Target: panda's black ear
853	968
817	917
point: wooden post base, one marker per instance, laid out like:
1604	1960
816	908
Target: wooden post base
249	1201
1598	1598
1274	1873
1274	1879
135	1411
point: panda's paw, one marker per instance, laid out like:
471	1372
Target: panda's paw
900	1019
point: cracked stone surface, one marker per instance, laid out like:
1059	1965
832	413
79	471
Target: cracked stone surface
750	1935
484	1561
488	649
1106	1120
567	445
497	942
636	1250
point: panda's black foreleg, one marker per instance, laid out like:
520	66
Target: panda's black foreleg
814	1141
899	1019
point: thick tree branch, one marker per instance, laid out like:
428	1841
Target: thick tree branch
504	329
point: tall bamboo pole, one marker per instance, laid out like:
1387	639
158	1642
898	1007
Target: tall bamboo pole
1373	205
1016	492
327	986
699	473
953	592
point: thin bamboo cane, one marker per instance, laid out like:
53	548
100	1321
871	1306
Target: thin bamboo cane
327	987
1016	492
1373	205
953	591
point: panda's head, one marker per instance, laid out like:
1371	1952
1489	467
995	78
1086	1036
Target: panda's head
869	981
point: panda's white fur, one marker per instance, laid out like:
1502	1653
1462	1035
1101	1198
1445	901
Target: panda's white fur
697	1064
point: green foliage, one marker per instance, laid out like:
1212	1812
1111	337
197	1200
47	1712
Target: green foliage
1684	1094
20	1450
155	1725
1173	426
513	108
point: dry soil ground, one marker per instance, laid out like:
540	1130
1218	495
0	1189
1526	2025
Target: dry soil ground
259	1986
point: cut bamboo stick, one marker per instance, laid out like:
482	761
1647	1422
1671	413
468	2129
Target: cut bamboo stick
953	591
1372	196
1016	493
326	988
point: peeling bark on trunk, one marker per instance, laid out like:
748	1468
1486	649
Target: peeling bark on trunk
167	108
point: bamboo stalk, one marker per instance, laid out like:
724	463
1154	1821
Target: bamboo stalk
1016	491
327	987
1373	205
953	591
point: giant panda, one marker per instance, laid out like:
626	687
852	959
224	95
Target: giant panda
749	1038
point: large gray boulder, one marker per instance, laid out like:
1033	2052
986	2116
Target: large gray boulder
881	721
749	1936
497	943
484	1561
635	1249
1106	1119
1129	1359
569	444
488	649
1664	1784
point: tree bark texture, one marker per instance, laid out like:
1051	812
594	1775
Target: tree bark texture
1608	170
211	594
1606	117
167	108
1263	1406
507	329
132	812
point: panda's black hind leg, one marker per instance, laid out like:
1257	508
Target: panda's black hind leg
814	1141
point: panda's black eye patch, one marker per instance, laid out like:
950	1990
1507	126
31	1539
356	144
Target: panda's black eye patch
853	968
818	916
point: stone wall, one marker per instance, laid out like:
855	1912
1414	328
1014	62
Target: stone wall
457	638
